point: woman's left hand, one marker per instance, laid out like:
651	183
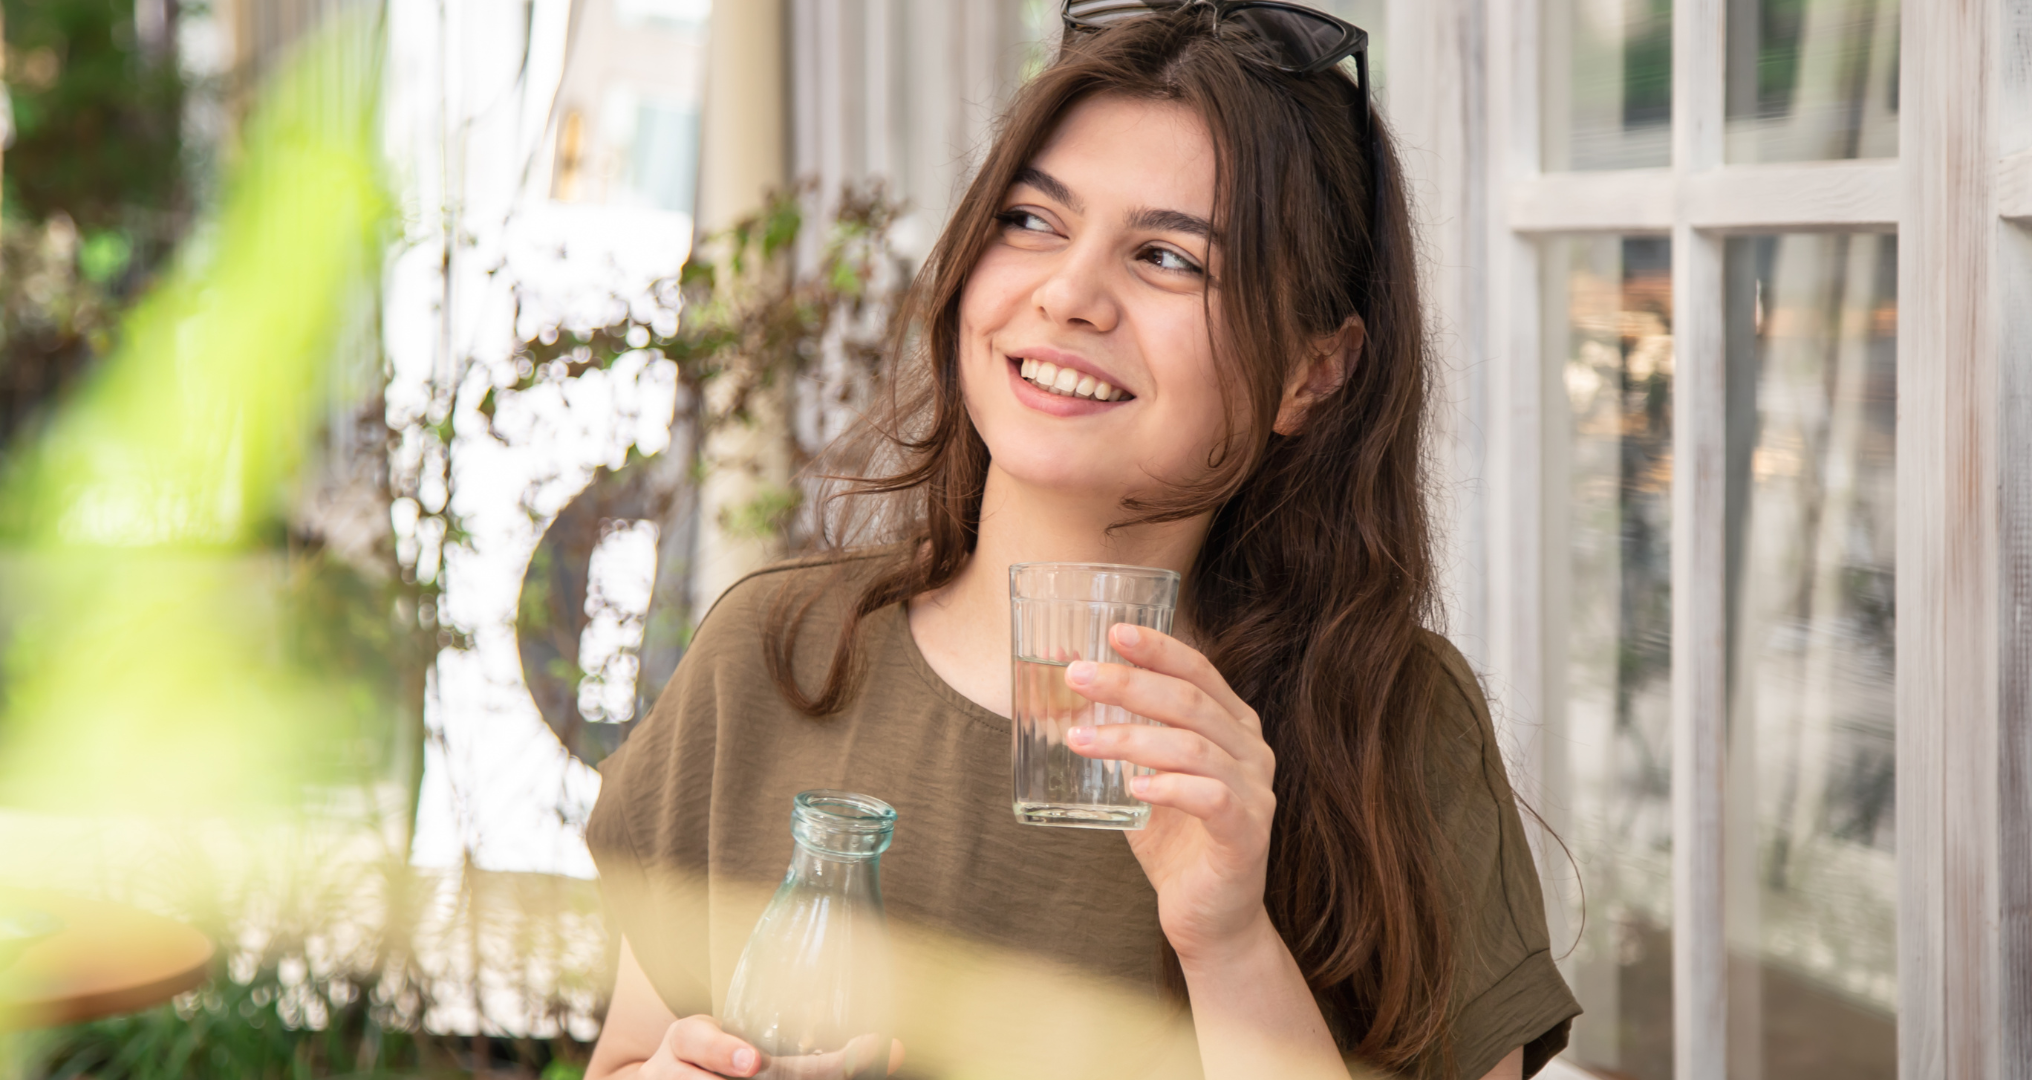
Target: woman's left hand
1207	845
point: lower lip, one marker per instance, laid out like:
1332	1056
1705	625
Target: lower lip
1045	401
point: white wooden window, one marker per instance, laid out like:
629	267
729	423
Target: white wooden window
1838	436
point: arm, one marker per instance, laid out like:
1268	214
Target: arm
1206	852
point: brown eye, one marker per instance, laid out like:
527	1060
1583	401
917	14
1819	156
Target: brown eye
1023	220
1170	261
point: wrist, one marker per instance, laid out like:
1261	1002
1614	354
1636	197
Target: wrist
1252	945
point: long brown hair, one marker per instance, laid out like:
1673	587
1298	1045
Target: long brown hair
1316	575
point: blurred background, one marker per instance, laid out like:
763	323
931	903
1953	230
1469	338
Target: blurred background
386	389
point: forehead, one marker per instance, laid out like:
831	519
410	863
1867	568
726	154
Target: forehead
1117	151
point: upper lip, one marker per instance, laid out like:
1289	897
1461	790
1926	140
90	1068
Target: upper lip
1068	360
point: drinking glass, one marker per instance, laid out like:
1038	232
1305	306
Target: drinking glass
1059	613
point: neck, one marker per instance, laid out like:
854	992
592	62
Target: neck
963	628
1024	523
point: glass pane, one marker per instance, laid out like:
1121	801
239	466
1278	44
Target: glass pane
1607	84
1608	597
1810	80
1811	871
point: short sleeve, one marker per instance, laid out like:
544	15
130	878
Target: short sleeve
1508	992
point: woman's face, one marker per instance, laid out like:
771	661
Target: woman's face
1096	285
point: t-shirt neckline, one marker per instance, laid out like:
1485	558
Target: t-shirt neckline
899	618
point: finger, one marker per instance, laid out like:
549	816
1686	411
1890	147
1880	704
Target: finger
1224	813
1163	749
895	1055
1165	698
1160	652
698	1040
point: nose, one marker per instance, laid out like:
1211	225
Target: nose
1077	292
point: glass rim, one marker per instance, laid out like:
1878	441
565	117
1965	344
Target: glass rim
1119	569
834	807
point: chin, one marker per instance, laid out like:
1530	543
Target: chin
1064	471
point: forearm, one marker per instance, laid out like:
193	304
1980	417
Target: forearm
1254	1015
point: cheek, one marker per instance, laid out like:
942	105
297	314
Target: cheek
1194	412
994	291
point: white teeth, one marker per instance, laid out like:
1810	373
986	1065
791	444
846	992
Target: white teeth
1067	382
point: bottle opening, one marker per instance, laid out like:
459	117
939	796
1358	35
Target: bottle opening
842	823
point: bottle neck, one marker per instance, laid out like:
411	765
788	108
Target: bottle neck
816	868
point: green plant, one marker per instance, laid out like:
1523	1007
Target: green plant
95	189
743	316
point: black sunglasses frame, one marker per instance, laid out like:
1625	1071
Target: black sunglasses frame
1354	40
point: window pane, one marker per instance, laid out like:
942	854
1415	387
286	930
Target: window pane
1609	619
1810	80
1811	878
1607	84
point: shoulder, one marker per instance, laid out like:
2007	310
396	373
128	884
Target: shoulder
1461	746
809	590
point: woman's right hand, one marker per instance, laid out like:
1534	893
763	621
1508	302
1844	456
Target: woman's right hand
694	1048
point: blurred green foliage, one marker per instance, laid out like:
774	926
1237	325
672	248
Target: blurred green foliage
95	189
148	666
97	116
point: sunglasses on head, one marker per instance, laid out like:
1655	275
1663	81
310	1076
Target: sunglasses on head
1294	38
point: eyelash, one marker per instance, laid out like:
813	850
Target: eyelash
1190	267
1015	219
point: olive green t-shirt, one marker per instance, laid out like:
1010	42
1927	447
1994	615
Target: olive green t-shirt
1023	951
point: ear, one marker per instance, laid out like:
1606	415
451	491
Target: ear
1322	372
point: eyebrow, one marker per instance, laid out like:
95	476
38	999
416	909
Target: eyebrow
1172	221
1051	185
1155	220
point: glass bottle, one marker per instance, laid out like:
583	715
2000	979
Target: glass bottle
811	990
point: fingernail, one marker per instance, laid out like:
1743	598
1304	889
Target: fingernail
1128	635
1080	671
1080	736
1139	784
744	1059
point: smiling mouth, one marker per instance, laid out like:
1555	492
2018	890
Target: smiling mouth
1067	382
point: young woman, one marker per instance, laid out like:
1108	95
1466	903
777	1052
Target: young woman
1210	236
